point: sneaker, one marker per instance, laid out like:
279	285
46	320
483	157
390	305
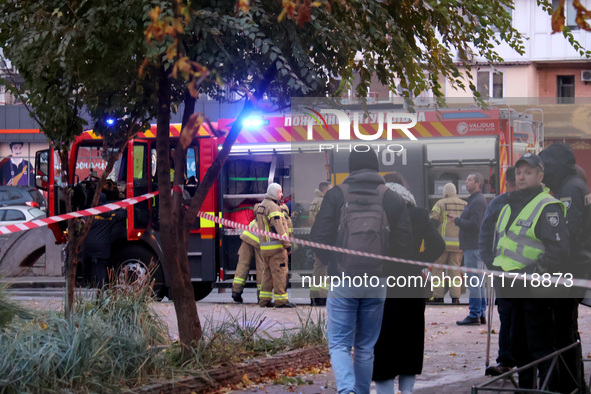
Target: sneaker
287	305
469	321
455	301
237	297
497	370
482	320
435	301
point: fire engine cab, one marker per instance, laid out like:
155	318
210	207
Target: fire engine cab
449	145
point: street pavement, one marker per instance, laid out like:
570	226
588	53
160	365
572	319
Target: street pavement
454	360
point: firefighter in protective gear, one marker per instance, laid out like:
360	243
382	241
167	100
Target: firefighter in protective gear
287	217
318	294
250	247
271	218
452	256
533	238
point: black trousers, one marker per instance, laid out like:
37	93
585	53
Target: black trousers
531	337
504	308
98	271
570	374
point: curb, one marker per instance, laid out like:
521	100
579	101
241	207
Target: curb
233	373
35	282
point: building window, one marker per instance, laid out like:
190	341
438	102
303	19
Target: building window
487	79
570	13
565	89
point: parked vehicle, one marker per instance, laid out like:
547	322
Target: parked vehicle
22	195
451	145
15	214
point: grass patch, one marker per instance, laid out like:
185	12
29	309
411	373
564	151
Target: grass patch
114	340
244	336
10	309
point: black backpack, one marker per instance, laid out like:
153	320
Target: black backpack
363	227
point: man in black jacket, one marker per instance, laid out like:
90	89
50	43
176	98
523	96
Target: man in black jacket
355	313
97	244
560	176
469	223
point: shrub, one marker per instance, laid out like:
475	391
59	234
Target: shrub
110	339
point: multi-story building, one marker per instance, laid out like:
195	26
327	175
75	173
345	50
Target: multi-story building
550	66
551	73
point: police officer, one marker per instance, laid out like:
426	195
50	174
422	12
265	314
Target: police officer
250	247
532	238
561	177
271	218
318	294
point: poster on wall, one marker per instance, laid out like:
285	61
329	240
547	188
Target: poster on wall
15	170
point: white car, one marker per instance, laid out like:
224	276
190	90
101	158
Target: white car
15	214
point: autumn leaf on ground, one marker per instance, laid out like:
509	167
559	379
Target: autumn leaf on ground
246	381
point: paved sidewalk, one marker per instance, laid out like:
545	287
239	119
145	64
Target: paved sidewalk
455	356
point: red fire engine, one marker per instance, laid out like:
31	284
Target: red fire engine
449	145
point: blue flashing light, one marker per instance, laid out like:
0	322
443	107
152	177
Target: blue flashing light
250	123
110	121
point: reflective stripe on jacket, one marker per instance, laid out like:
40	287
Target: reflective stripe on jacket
269	217
250	238
447	228
518	244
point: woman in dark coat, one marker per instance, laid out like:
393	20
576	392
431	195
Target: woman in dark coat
400	347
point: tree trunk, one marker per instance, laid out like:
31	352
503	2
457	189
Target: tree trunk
173	232
174	224
77	228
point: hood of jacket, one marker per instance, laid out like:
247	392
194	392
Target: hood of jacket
364	179
402	192
559	163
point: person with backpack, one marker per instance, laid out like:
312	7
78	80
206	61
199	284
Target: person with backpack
360	214
562	179
403	324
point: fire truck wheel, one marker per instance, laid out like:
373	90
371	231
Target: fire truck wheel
201	290
133	263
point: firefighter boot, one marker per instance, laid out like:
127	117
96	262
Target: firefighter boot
237	297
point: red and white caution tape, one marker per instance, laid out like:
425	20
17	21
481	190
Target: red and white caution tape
13	228
225	222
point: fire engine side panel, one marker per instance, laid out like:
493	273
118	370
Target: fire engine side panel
203	250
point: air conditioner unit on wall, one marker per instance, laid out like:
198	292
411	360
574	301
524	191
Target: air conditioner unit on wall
586	75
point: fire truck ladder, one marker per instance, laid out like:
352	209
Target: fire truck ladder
497	385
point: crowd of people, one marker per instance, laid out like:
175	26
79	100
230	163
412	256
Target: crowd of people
529	229
541	225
